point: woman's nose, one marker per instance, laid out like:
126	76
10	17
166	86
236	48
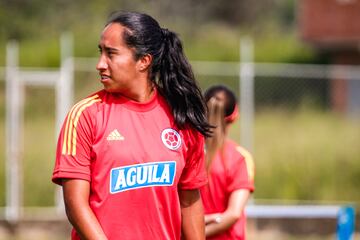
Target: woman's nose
101	64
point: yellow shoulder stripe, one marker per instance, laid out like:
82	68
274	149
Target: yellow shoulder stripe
69	142
249	161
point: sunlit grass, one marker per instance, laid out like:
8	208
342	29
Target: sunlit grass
307	155
38	162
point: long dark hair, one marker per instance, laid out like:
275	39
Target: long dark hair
224	94
221	103
170	70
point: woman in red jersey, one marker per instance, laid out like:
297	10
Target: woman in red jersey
230	168
130	157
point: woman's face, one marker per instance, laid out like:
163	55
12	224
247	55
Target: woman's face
118	69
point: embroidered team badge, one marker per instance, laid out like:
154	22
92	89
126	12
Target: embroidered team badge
171	138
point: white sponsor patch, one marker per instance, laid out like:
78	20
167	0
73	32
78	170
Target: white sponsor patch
142	175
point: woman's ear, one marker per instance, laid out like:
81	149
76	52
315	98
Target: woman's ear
144	62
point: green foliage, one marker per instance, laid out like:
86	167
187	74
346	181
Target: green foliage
275	45
210	31
212	43
39	53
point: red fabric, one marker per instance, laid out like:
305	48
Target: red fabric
226	175
233	116
107	132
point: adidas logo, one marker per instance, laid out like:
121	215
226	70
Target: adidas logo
115	136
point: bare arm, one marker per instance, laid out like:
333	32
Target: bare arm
219	222
78	211
192	212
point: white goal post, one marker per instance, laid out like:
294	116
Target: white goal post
16	79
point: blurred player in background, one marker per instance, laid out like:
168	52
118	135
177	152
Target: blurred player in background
130	158
230	168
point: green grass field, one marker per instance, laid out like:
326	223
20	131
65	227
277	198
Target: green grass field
306	155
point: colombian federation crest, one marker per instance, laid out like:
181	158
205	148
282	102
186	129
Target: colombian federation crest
171	138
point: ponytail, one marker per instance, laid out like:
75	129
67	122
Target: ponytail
216	141
170	70
222	110
177	84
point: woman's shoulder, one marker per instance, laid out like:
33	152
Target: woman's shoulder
192	137
89	103
239	154
231	145
237	149
95	95
191	132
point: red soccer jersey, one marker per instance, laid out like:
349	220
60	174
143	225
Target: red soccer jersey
135	159
230	171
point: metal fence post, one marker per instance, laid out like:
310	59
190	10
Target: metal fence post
64	96
14	119
246	93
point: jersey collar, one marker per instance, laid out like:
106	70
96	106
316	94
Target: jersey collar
140	106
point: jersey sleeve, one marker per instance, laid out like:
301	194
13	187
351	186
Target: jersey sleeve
241	174
194	173
73	154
